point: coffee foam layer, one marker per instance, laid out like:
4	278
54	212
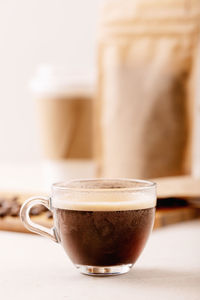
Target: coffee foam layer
104	201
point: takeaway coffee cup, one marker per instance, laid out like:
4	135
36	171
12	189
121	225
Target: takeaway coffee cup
64	106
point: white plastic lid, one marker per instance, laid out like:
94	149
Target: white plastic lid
53	80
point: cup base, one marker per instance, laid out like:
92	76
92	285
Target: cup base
104	271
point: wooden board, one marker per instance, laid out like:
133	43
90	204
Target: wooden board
164	215
14	223
169	216
163	218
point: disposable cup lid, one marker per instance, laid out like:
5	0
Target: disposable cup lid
56	80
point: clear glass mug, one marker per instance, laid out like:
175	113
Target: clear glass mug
102	224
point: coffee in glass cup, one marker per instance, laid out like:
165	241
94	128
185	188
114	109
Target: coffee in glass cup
102	224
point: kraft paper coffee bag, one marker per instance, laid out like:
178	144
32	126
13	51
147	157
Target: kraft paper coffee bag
147	62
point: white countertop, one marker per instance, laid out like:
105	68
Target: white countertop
32	267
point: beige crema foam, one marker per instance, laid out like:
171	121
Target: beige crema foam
105	201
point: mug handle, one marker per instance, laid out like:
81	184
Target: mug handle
26	220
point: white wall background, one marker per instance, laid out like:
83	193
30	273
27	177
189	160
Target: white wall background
32	32
59	32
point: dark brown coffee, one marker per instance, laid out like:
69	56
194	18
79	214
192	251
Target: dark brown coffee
103	238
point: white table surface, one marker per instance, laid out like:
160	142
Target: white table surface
32	267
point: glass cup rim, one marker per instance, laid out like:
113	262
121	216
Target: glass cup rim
65	185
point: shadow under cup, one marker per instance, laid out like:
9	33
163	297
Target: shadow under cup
103	224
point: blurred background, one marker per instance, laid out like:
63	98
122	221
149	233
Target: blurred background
99	89
60	33
133	70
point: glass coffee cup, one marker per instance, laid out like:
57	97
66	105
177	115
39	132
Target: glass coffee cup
102	224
